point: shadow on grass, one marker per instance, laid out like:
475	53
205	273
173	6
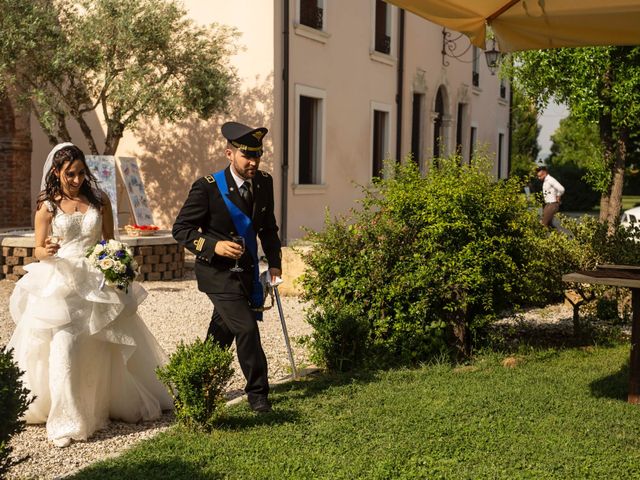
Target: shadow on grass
174	468
241	418
615	386
317	383
511	338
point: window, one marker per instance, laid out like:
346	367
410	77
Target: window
459	125
503	88
438	124
310	135
416	127
311	13
380	141
382	41
500	153
475	67
472	142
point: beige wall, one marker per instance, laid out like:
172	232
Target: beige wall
344	70
339	64
172	156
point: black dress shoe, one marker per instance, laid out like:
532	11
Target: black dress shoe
260	404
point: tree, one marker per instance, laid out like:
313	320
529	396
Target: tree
525	128
576	142
576	160
117	60
599	84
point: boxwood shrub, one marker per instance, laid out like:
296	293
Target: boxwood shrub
196	375
14	401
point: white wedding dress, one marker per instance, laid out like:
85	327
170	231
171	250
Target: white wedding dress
86	354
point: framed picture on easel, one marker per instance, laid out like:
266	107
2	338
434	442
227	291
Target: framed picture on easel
130	174
103	168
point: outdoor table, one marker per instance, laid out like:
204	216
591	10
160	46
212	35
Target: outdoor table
620	276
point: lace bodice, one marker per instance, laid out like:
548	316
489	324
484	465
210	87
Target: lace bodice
77	230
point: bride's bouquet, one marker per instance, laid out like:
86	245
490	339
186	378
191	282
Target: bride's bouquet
115	260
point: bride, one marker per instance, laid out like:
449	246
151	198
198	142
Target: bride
86	354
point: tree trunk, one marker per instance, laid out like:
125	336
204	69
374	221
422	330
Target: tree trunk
604	207
615	201
608	147
115	130
88	136
61	132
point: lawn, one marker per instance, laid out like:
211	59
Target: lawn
630	201
556	414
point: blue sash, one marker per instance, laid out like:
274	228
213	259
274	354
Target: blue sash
245	229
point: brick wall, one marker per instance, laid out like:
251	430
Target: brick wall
15	165
157	262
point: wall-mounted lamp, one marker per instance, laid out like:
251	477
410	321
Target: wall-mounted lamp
493	57
450	49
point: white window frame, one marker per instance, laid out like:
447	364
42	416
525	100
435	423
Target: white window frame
319	94
392	13
322	35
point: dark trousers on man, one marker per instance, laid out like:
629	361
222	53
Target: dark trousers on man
233	319
549	210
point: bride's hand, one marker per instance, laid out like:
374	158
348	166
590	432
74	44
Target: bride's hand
51	245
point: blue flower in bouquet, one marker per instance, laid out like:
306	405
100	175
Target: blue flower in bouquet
115	260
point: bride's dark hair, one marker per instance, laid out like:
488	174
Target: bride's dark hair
53	188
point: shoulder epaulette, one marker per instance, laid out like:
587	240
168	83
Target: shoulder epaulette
210	179
264	174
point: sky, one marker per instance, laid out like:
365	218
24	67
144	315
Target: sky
549	121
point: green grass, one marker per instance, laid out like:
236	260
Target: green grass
558	414
630	201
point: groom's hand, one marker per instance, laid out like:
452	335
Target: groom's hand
226	248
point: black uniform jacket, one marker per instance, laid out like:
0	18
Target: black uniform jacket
204	220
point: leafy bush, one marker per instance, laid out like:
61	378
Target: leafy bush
14	402
424	265
197	375
590	244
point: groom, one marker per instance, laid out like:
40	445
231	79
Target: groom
236	201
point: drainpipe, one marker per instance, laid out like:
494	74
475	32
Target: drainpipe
285	125
399	93
510	126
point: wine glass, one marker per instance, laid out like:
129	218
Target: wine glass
240	241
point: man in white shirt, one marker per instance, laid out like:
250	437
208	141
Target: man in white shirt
552	190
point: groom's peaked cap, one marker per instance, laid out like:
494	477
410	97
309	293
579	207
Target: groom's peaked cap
244	138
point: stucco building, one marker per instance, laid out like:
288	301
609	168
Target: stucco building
341	85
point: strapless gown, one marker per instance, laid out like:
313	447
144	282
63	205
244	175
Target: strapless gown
86	353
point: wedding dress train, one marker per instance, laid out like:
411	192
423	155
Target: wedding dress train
86	354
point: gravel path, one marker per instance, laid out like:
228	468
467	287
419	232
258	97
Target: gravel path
173	311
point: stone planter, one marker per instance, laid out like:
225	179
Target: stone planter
159	256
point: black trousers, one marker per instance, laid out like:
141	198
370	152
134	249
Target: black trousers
233	319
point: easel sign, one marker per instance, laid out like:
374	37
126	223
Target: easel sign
130	174
103	168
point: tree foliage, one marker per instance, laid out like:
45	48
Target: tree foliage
425	265
117	60
599	84
576	161
525	128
